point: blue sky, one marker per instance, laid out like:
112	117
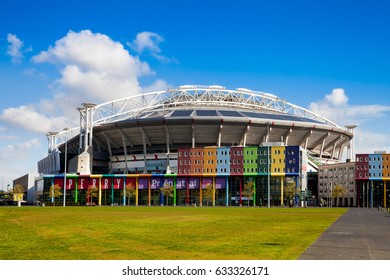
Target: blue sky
328	56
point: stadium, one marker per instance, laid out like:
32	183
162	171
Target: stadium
209	144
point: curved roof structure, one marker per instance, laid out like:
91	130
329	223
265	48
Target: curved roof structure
203	116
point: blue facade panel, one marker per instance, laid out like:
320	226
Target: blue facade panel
375	167
292	160
223	160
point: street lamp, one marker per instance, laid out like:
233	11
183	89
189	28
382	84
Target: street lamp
268	175
331	195
66	158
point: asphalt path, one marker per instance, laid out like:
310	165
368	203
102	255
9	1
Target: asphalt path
360	234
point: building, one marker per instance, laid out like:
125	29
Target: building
185	134
372	175
332	175
28	183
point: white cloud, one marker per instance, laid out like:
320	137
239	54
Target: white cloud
94	67
369	141
18	151
29	119
336	108
147	41
157	86
15	158
32	72
14	49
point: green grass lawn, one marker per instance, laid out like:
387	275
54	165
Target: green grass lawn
133	233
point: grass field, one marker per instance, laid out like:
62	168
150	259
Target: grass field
130	233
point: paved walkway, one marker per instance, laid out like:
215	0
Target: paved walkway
360	234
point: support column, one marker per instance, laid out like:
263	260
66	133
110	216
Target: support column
174	192
136	191
100	192
201	191
384	194
254	191
281	191
76	196
112	194
149	192
364	194
240	191
227	191
372	194
124	191
187	192
296	190
213	200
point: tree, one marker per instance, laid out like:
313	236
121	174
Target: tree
129	191
208	193
18	189
91	193
338	191
54	192
167	191
248	191
290	190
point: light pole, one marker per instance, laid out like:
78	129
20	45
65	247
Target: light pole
331	195
66	158
269	171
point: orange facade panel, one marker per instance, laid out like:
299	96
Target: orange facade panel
210	160
196	160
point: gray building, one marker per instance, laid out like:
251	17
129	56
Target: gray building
28	183
338	174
